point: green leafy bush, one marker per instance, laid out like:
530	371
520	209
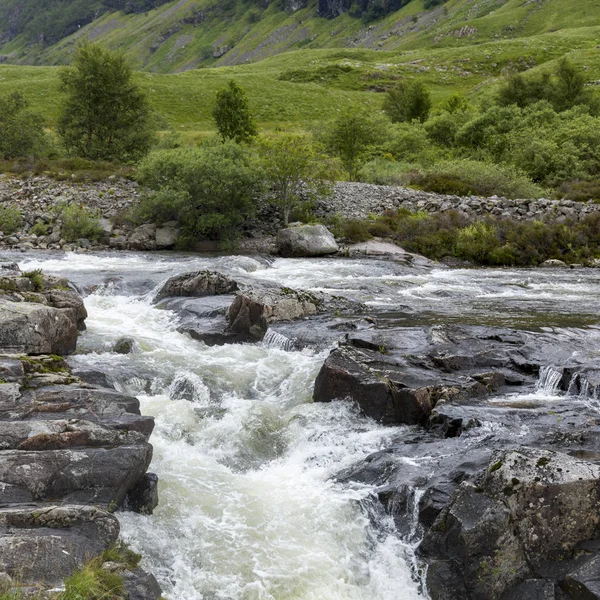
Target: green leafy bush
211	190
10	219
21	131
408	101
79	222
474	177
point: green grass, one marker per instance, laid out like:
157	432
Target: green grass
299	72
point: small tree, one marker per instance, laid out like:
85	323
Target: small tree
232	114
351	137
21	131
105	115
407	102
295	170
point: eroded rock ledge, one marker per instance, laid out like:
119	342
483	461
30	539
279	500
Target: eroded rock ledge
71	453
497	484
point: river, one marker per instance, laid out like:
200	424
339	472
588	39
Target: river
248	507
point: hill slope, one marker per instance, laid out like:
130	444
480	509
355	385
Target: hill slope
184	34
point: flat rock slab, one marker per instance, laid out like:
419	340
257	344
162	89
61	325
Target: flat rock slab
97	476
47	543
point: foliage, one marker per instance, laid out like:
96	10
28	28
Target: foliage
295	170
105	115
473	177
353	137
564	88
21	131
10	219
37	278
501	242
232	114
79	222
211	190
408	101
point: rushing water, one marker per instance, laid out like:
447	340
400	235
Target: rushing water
248	508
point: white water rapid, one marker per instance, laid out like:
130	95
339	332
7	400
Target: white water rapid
248	507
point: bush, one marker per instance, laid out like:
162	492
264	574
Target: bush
79	222
21	131
10	219
354	137
408	101
482	179
211	190
476	242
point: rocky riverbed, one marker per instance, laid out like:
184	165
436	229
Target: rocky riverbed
347	428
38	198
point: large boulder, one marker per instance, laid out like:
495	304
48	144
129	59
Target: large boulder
252	311
526	519
197	284
39	314
306	240
167	235
36	329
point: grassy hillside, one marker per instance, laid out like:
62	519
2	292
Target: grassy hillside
185	34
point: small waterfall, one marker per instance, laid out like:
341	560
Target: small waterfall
273	339
549	381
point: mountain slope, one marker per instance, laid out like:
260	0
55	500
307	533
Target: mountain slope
184	34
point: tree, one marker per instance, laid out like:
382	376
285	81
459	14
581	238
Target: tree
295	170
407	102
105	115
351	136
232	114
21	131
211	190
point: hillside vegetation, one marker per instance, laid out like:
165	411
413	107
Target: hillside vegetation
184	34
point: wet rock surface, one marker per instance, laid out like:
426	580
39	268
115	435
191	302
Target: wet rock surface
502	485
210	313
71	452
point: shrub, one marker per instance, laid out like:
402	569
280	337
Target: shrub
476	242
79	222
295	170
482	179
383	170
408	101
354	137
355	230
211	190
21	131
10	219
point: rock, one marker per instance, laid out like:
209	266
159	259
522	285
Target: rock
252	311
47	543
99	476
553	263
36	329
143	237
196	284
167	235
140	585
527	517
124	345
143	498
306	240
584	582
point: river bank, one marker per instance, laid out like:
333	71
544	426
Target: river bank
267	494
38	199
